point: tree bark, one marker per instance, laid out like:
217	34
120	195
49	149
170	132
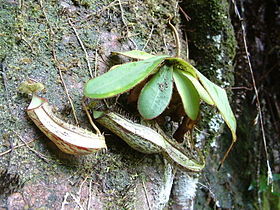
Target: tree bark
32	32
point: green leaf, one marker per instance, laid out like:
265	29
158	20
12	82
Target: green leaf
121	78
136	54
200	89
220	99
156	94
183	65
188	93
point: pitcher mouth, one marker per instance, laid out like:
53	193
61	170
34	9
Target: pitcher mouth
36	102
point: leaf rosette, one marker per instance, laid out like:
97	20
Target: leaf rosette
155	96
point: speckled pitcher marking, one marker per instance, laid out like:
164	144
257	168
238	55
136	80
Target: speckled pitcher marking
68	138
146	140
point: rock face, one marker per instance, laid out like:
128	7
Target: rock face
40	39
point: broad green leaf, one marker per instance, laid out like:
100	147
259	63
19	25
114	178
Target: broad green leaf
121	78
136	54
188	93
115	66
200	89
220	99
156	94
183	65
